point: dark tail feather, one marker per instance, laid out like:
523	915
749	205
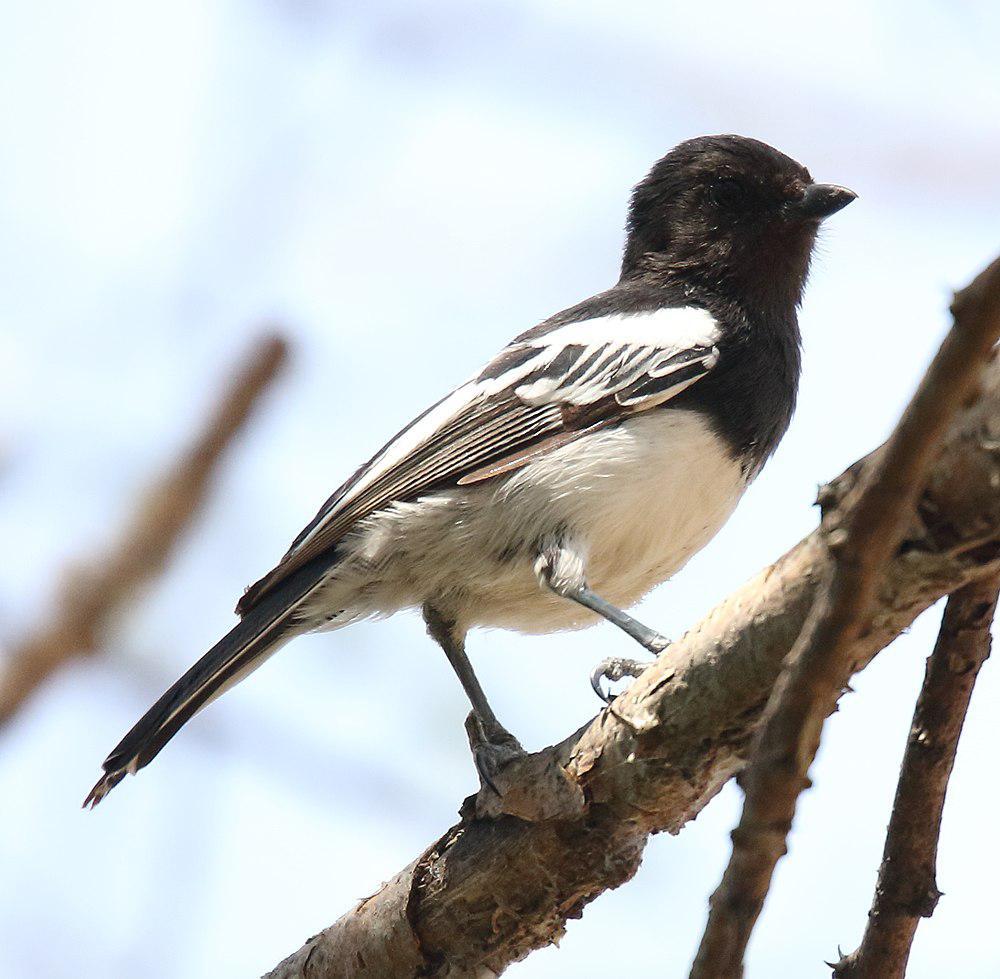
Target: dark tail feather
232	658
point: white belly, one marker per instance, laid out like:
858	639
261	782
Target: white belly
637	501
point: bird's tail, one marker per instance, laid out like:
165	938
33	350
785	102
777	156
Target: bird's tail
259	634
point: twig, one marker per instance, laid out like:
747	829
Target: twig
491	890
862	535
907	886
93	594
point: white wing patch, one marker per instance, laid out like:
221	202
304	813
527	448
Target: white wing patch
679	327
624	356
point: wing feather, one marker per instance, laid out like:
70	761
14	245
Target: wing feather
537	394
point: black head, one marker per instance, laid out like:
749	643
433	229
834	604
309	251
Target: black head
729	213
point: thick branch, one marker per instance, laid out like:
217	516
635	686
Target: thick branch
862	534
907	887
93	594
491	890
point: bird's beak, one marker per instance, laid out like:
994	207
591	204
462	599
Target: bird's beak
821	200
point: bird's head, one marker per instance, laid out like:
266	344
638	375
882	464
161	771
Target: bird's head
731	213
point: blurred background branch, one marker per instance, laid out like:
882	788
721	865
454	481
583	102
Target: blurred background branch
96	591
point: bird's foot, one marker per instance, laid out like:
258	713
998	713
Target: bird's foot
616	668
533	787
493	749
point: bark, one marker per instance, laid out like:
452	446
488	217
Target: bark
862	533
94	593
496	885
907	883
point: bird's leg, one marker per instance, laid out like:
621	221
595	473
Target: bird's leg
493	746
560	568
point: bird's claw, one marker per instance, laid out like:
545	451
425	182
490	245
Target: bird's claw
492	751
612	669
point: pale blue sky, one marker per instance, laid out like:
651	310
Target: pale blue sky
404	187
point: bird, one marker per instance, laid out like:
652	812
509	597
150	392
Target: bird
582	466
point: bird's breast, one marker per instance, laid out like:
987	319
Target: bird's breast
638	499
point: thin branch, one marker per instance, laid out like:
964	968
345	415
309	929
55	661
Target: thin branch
93	594
491	890
862	534
907	886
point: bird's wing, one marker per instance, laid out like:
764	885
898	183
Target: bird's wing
547	387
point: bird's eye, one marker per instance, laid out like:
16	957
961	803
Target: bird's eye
726	192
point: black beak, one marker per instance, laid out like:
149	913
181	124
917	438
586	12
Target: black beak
821	200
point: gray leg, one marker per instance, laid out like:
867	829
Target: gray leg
642	634
561	569
442	631
493	745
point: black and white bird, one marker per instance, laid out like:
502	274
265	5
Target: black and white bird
582	466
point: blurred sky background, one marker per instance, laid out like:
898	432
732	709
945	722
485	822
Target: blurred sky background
404	186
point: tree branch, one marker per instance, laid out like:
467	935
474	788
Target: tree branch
907	887
862	533
93	594
491	890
